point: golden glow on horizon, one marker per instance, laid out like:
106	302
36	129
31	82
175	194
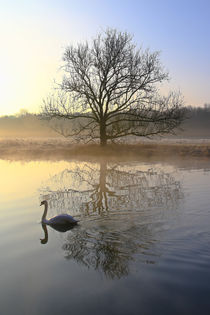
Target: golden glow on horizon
29	61
33	35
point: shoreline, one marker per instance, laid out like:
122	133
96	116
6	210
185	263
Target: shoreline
57	148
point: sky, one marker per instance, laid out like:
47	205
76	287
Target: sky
34	34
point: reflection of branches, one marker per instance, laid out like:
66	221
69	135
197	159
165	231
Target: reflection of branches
91	190
127	196
100	251
108	251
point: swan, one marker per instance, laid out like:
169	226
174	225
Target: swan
59	220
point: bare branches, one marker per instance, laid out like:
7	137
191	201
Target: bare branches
110	88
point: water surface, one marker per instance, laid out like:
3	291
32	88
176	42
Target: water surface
142	244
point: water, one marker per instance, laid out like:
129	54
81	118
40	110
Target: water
142	245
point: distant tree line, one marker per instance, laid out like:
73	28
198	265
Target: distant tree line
196	125
24	124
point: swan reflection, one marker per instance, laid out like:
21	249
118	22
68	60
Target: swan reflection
60	228
122	208
45	239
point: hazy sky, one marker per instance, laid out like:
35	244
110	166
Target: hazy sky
33	35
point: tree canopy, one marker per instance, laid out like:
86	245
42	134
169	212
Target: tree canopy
110	90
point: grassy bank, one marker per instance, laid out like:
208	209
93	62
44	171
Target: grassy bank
62	149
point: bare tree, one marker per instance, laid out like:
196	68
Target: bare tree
110	90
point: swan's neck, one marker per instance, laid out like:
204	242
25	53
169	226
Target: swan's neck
45	213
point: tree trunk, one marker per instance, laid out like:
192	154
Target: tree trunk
103	139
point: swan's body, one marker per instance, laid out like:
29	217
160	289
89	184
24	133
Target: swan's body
59	220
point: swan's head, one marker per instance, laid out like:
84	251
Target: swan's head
44	202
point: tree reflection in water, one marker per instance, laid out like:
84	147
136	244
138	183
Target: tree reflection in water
121	209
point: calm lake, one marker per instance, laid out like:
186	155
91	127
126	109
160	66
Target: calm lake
142	245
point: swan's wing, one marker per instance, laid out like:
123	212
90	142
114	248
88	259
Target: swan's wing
62	219
69	218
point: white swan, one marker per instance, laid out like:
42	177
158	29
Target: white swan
61	219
